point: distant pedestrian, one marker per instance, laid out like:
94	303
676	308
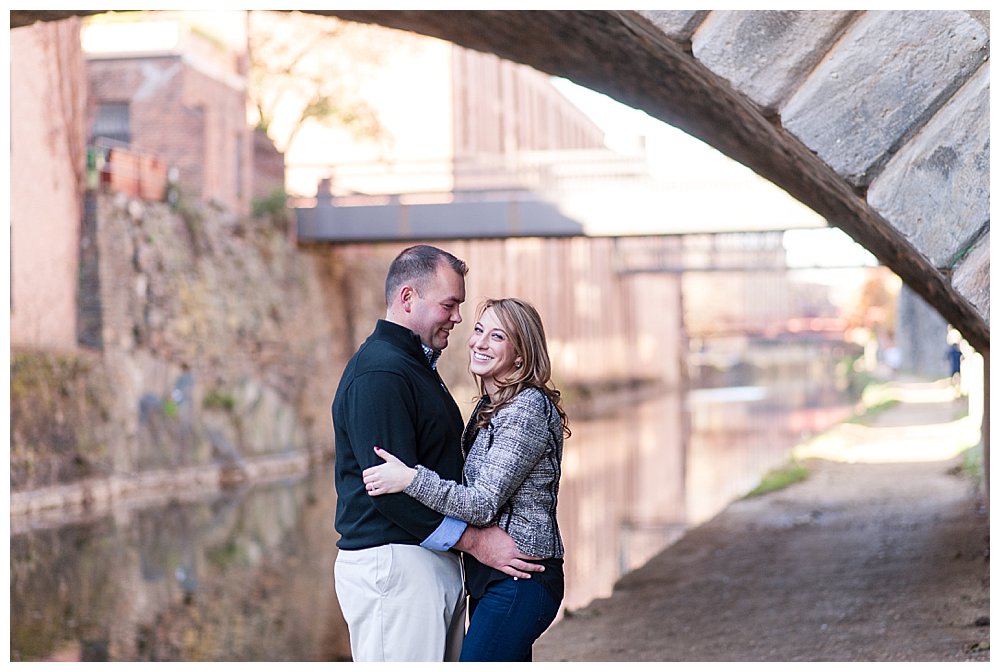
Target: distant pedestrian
893	358
955	364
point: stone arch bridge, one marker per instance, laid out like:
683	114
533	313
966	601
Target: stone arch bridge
877	120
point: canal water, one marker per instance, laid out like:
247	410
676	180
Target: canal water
246	575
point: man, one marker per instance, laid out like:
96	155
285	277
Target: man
398	579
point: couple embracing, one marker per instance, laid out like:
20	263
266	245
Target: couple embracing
438	521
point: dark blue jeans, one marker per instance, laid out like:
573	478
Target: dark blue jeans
506	621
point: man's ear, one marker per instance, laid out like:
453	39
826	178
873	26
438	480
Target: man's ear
406	297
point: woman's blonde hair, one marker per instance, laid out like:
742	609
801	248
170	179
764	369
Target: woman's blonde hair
527	335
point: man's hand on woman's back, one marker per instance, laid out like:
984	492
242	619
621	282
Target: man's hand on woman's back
494	548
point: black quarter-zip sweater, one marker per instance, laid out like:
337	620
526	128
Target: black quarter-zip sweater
390	397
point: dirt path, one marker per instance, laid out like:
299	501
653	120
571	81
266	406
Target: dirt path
869	559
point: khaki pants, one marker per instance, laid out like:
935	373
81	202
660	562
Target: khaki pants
402	603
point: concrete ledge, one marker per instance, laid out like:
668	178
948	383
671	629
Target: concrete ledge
98	495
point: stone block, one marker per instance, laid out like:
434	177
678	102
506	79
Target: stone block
765	54
885	77
936	189
971	277
678	25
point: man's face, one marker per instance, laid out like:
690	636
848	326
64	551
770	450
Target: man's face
434	310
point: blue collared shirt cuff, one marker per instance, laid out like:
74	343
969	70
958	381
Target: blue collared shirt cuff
446	535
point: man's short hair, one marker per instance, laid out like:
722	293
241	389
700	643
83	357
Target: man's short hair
416	264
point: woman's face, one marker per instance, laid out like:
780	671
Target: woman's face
491	351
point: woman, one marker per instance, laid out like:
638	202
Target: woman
513	449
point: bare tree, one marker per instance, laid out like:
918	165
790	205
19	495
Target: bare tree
307	69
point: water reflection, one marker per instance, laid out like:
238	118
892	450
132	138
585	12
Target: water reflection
242	576
631	486
247	575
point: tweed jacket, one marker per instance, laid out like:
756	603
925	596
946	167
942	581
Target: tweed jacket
511	475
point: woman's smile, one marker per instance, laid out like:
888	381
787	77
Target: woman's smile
491	352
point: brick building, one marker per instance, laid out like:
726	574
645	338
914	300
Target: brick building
167	87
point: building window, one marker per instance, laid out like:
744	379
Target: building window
112	123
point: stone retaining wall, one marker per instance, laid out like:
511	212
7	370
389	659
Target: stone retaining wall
220	349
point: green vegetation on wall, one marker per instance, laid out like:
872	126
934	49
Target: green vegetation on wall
59	405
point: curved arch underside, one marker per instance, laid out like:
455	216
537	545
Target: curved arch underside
877	120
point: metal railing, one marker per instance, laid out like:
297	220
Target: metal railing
485	174
606	192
